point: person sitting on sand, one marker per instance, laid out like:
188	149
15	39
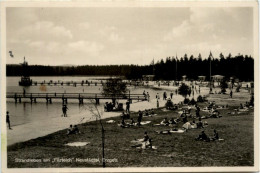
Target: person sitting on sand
184	119
132	122
197	111
146	112
202	137
152	112
165	122
76	129
70	130
171	121
215	137
192	122
199	124
147	142
123	115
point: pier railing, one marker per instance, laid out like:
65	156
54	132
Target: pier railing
65	96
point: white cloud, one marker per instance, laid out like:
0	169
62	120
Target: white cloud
111	34
91	48
114	37
182	30
43	30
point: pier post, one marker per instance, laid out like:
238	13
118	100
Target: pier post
35	100
50	100
96	84
20	100
15	97
31	98
47	99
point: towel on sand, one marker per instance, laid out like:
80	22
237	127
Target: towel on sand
77	144
110	121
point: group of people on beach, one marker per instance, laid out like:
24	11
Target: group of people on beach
203	137
73	130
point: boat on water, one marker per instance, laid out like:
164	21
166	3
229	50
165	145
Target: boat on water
25	78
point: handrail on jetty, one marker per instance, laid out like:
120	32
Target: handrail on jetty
82	83
65	96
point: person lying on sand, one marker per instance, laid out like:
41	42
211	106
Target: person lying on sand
215	113
173	130
165	122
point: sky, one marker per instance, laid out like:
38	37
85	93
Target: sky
125	35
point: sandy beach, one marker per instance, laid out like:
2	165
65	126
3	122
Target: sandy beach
47	126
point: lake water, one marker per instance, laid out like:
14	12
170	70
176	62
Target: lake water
25	112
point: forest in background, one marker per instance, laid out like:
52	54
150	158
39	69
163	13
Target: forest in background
240	66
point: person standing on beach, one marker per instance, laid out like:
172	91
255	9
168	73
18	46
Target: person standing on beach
157	103
64	110
128	106
164	95
8	120
139	119
171	94
148	96
231	93
157	96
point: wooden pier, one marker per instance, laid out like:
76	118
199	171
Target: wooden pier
81	83
49	97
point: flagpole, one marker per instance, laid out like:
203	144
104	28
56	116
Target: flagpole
210	81
153	67
176	67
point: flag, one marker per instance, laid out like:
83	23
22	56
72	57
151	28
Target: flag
11	54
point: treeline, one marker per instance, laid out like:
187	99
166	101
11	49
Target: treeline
240	66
